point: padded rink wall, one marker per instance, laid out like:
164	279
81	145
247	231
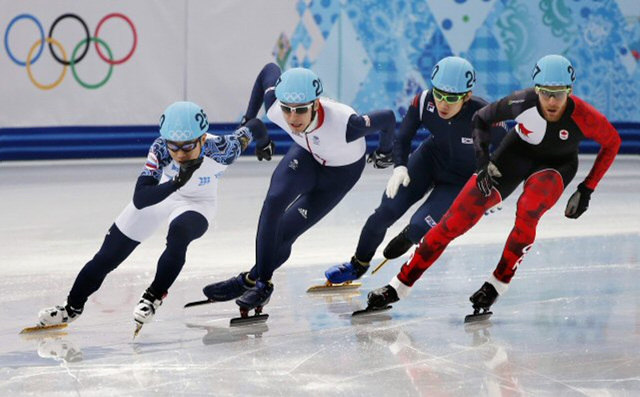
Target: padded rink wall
370	54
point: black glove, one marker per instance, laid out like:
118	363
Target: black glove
186	170
380	160
578	202
485	180
266	151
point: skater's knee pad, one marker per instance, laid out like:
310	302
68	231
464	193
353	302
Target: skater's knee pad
541	191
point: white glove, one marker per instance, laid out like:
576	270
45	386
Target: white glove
400	177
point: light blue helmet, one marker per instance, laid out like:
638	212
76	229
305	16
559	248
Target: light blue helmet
298	85
553	70
454	75
183	121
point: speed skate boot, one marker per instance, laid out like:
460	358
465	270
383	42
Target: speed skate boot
229	289
482	300
382	297
60	314
398	246
256	297
347	272
146	309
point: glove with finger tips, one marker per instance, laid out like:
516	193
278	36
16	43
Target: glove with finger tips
186	170
400	177
266	152
578	202
485	178
380	160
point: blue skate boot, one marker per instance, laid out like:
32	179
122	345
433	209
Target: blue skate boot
229	289
347	272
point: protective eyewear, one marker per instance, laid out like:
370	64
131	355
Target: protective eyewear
448	98
548	94
296	109
185	147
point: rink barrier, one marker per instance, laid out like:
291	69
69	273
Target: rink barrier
45	143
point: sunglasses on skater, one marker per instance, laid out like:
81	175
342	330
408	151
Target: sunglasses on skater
447	97
185	147
296	109
548	94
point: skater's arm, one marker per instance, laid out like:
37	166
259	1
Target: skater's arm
263	91
408	128
378	120
484	119
595	126
149	192
225	149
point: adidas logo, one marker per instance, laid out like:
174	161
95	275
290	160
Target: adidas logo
303	212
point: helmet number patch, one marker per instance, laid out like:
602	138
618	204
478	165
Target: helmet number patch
536	70
200	118
435	71
161	120
472	78
572	72
318	86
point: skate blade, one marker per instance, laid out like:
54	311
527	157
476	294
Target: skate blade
329	287
198	303
379	266
370	311
39	328
255	319
137	330
475	318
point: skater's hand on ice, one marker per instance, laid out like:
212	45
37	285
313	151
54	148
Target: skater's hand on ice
266	151
578	202
485	178
186	170
400	177
380	160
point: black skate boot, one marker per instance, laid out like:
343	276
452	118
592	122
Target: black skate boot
482	300
398	246
379	300
253	298
229	289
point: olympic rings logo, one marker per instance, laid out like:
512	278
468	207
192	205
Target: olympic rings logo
294	97
64	60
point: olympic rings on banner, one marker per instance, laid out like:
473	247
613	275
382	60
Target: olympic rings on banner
73	62
29	61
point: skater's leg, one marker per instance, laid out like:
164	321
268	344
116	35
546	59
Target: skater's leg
465	212
421	170
431	211
184	229
295	175
114	250
333	185
541	191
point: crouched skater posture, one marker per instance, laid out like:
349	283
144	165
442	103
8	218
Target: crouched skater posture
321	167
540	152
178	184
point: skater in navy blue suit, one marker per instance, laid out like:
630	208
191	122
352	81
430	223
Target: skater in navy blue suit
439	167
324	163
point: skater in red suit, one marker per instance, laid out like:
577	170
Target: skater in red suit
541	151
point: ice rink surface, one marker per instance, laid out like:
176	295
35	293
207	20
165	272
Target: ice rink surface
568	326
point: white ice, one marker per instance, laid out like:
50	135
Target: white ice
569	324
